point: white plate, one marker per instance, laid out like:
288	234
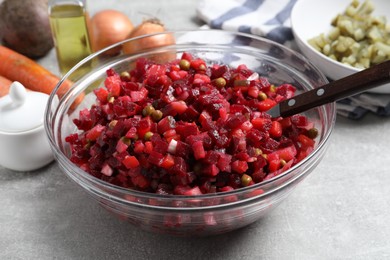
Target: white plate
309	18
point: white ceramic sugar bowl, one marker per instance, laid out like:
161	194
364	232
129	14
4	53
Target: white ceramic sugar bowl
23	142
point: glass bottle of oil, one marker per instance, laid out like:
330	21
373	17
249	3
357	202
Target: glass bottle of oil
69	25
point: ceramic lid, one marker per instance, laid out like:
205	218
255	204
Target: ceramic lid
22	110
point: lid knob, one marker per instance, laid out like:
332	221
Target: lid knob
22	110
17	93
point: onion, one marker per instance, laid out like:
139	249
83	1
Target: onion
108	27
172	146
150	27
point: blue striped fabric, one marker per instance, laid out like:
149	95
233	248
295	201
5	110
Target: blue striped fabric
271	19
242	9
250	16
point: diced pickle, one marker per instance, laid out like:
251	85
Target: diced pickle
374	34
359	34
385	48
357	38
326	50
334	34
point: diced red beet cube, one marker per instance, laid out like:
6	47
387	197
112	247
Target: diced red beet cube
107	170
253	91
187	129
144	126
132	133
198	64
187	190
95	132
186	56
84	122
238	144
266	104
224	161
305	141
130	86
276	129
179	106
165	124
269	145
168	110
285	122
182	149
287	153
211	157
235	121
198	150
246	126
130	162
72	138
190	115
161	146
139	147
168	161
239	166
201	79
113	85
211	98
226	188
155	158
175	75
220	71
180	166
220	140
274	162
121	146
140	181
171	134
286	90
210	170
140	95
255	136
238	108
242	156
101	95
124	107
262	124
206	121
148	147
300	121
155	70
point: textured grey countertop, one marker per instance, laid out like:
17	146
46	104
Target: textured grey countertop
340	211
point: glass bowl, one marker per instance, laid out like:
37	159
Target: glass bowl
199	215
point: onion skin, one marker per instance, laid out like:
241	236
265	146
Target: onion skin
108	27
150	27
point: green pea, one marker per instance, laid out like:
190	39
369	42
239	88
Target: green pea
245	180
184	64
312	133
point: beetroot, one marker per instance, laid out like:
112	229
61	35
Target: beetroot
188	128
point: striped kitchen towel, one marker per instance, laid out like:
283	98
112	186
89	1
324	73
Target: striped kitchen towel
357	106
271	19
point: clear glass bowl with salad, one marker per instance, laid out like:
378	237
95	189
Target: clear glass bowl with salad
176	138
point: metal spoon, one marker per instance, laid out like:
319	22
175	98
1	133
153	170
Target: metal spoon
351	85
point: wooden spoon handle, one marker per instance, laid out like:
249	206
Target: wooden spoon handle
366	79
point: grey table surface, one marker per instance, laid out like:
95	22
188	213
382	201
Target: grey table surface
340	211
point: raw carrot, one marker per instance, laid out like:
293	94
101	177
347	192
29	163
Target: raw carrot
17	67
4	86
